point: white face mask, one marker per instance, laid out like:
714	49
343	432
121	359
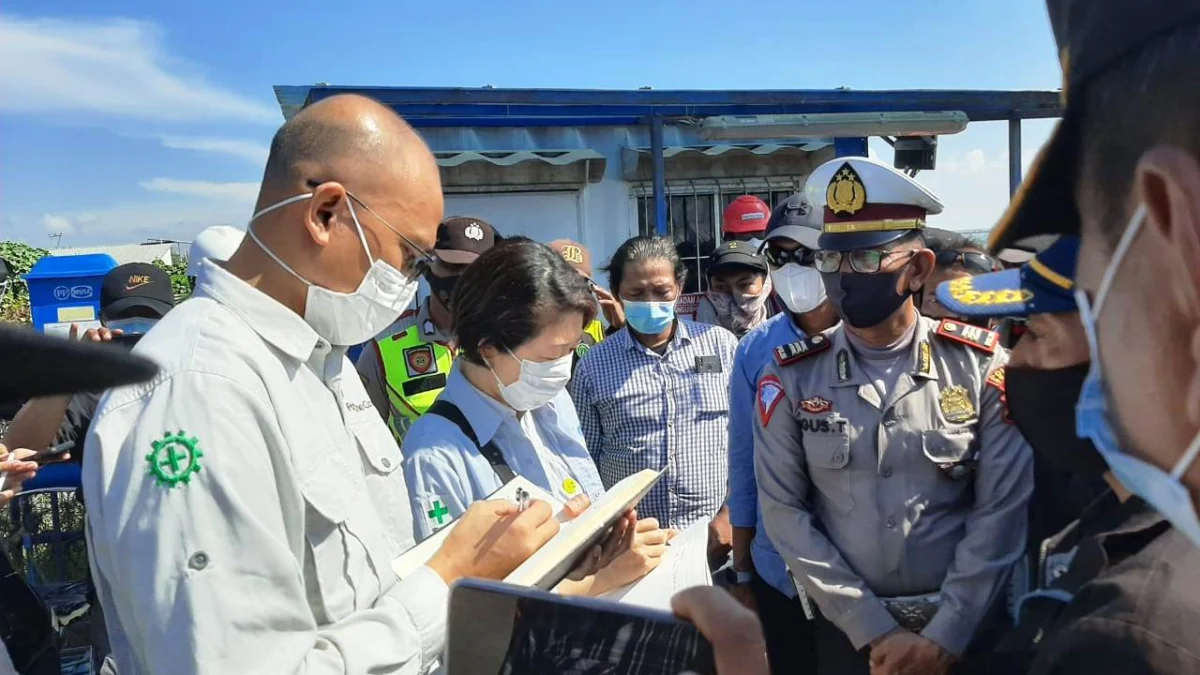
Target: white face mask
347	319
537	384
800	288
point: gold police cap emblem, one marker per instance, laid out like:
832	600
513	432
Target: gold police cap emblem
956	404
846	192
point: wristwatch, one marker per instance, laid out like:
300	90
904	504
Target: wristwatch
738	578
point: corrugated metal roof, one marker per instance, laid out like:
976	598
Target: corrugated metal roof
509	158
751	148
128	253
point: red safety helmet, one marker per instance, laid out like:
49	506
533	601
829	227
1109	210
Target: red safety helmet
746	214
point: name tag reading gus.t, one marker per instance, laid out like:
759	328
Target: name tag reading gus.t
708	364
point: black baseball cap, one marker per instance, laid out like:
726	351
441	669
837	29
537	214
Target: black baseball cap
42	365
1092	37
736	253
795	219
135	285
462	239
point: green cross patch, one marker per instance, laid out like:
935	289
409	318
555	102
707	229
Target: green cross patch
174	459
438	514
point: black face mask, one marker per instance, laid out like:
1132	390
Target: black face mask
864	300
442	287
1042	405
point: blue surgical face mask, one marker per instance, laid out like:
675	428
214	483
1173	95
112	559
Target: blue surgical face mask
1094	420
649	318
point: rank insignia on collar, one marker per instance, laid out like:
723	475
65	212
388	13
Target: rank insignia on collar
816	405
843	365
794	351
428	328
770	393
973	336
846	192
956	404
925	356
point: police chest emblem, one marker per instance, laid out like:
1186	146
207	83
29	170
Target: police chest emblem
816	405
419	360
846	192
956	404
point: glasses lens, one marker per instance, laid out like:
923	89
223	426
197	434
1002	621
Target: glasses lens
978	262
828	261
866	261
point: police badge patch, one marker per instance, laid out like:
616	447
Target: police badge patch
420	361
956	404
770	393
816	405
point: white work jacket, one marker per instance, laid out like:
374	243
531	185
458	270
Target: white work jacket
244	506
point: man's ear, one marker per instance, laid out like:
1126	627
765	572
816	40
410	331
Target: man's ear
324	210
1167	182
922	266
488	351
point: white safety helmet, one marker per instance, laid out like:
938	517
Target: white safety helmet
215	243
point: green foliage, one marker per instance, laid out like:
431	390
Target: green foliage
14	306
180	284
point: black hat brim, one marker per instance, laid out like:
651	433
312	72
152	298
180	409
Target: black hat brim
1045	203
115	308
33	364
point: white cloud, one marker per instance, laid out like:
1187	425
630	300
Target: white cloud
255	153
131	223
241	192
53	224
115	67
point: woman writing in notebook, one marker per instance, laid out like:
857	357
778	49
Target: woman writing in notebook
519	311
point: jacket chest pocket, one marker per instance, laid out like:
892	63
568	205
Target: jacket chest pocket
337	568
952	451
827	453
709	395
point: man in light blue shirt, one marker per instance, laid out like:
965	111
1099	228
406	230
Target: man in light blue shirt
760	577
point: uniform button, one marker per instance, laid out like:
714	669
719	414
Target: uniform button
387	463
890	524
837	456
198	561
887	472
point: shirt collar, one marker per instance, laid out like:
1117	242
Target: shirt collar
680	337
275	324
483	413
848	374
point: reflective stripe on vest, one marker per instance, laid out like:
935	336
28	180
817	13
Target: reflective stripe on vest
415	374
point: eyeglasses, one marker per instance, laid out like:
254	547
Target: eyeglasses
419	261
974	262
863	260
777	257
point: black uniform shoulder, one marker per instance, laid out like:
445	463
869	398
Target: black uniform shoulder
792	352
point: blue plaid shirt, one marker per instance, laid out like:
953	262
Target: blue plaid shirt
755	351
641	410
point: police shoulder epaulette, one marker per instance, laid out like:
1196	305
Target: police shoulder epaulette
794	351
973	336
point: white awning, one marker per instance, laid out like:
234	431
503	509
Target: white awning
536	169
725	160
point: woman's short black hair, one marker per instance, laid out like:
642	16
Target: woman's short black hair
640	249
504	297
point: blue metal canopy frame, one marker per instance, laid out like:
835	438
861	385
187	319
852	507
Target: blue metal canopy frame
489	107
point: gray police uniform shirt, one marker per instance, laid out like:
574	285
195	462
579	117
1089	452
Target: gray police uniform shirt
924	491
370	366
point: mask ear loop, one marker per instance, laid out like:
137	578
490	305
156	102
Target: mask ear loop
1118	256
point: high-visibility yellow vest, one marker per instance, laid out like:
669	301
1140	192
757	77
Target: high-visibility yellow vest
596	330
415	373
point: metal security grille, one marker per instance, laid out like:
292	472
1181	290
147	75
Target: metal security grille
694	216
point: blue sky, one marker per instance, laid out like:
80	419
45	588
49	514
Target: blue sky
126	119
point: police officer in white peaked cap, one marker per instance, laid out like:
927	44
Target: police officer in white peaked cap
889	478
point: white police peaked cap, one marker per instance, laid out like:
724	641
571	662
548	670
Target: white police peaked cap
866	203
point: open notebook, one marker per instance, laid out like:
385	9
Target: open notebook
552	562
685	565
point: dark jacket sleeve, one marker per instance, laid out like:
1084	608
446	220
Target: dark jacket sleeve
77	421
1106	646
